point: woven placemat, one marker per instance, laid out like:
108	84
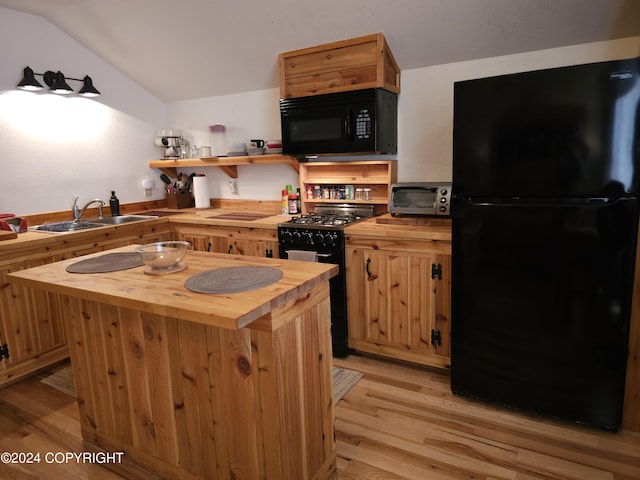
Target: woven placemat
233	279
109	262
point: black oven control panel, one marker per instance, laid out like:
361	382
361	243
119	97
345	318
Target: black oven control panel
308	237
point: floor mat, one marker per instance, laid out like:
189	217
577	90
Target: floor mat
62	380
343	380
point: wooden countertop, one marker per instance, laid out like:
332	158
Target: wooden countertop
166	294
435	229
429	229
192	216
229	218
46	240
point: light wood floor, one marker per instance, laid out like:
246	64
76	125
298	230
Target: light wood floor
398	422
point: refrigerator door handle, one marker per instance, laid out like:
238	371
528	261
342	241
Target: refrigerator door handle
539	202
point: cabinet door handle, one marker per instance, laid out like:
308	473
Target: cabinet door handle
370	276
436	271
230	249
4	351
209	247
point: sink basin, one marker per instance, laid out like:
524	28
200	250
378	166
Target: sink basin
120	219
69	226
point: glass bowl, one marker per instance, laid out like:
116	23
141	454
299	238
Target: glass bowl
163	255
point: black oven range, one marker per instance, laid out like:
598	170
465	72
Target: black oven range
320	234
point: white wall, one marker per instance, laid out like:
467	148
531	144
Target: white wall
247	115
425	115
54	147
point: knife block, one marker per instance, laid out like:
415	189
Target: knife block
179	200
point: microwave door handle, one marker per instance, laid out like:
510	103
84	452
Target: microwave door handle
348	127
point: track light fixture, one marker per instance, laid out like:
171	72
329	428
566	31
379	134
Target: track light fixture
57	83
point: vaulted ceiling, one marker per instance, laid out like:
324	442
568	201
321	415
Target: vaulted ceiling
187	49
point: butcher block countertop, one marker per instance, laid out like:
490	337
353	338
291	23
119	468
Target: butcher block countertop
229	218
407	228
28	243
166	294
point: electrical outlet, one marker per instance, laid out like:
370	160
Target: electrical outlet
233	185
148	186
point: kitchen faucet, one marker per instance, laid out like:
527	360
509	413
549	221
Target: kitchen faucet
77	212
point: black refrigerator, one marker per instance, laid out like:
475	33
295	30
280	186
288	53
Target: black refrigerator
545	218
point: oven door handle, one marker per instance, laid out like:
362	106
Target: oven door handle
321	255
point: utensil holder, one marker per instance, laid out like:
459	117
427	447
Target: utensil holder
179	200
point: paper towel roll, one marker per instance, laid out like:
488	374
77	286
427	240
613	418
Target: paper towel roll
201	191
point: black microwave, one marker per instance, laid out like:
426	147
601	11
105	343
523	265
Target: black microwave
359	121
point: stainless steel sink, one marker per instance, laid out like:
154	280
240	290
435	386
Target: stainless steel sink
70	226
120	219
67	226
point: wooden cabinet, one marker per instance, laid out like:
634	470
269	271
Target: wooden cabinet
399	299
376	175
32	334
358	63
231	240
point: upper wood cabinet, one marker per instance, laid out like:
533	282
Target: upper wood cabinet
358	63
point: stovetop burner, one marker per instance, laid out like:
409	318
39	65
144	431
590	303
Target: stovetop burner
331	217
318	219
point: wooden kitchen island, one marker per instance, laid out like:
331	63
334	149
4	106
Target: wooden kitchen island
201	386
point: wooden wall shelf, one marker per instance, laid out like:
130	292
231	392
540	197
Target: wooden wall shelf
227	164
378	175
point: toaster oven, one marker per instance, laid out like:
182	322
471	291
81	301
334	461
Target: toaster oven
420	198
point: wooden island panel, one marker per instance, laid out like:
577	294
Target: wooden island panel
32	334
193	399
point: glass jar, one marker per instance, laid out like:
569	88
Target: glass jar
358	194
367	194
